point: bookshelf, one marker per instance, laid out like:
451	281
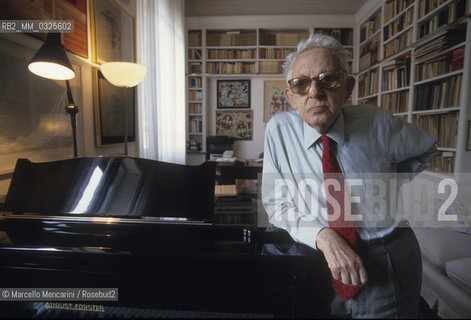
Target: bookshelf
414	61
196	99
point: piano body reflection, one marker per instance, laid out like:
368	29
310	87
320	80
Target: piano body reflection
147	228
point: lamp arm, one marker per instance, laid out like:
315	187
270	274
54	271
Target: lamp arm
72	109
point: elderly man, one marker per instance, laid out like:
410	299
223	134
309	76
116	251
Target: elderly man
375	264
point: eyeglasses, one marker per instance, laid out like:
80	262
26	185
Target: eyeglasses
326	80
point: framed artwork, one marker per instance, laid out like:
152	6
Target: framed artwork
113	31
235	124
274	99
75	42
233	93
76	10
110	101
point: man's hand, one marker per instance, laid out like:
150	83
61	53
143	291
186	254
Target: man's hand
343	262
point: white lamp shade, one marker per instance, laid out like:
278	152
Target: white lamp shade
51	70
123	74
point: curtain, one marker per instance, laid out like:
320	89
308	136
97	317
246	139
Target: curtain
160	46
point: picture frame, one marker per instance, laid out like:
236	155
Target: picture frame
112	32
275	100
237	124
77	41
233	93
76	10
109	117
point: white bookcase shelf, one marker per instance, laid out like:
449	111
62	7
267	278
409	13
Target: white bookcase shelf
422	71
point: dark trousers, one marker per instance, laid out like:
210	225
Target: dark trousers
394	269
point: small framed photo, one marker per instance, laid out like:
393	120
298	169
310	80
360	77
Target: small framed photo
274	99
233	93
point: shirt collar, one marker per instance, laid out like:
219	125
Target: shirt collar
336	132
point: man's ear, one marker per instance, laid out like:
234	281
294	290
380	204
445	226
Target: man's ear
289	95
349	85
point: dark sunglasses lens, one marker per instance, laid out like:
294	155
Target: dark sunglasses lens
299	85
329	81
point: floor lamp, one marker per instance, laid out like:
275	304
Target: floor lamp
51	62
123	75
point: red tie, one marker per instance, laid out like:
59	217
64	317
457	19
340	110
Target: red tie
331	169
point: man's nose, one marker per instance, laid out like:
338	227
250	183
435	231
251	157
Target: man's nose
315	90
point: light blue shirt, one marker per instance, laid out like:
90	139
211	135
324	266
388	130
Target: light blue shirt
371	146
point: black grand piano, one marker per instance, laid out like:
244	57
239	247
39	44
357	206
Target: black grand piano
146	228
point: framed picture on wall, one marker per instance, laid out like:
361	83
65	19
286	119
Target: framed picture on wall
113	31
76	10
235	124
274	99
233	93
109	115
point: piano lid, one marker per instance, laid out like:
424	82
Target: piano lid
112	186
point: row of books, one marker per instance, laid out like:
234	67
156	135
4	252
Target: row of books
289	38
230	67
231	54
443	162
394	7
194	82
448	39
398	44
368	83
395	78
270	67
399	24
195	125
369	53
443	126
395	102
368	28
194	38
195	108
426	6
194	67
440	94
274	53
343	35
195	95
440	65
236	38
448	15
194	54
280	38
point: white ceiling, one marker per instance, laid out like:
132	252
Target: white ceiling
196	8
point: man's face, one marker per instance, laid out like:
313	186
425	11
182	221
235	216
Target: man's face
319	107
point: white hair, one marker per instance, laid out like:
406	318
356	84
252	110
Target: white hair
315	40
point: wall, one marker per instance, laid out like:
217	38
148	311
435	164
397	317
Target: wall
250	149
